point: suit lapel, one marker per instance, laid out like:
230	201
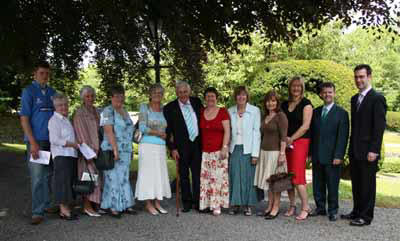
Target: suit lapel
331	113
365	100
179	114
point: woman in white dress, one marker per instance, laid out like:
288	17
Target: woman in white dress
153	183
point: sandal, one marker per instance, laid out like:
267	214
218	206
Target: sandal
247	212
307	211
290	213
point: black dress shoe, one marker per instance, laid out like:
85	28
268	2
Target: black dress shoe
349	216
359	222
333	217
206	210
317	212
270	216
186	210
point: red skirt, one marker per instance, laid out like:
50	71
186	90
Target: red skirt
296	160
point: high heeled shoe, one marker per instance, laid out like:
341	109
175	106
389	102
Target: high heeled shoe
69	217
161	210
270	216
90	214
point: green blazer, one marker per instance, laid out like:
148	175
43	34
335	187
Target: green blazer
329	137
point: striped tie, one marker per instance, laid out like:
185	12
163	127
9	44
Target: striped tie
187	115
324	113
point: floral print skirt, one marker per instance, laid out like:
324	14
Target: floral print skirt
214	181
117	191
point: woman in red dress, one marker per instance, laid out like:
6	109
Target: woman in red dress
215	135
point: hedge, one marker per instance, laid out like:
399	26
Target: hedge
393	121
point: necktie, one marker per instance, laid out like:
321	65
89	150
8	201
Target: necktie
187	115
359	101
324	113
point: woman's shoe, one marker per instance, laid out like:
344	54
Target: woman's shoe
91	214
291	211
234	210
130	211
69	217
270	216
248	212
307	211
153	212
217	212
115	214
161	210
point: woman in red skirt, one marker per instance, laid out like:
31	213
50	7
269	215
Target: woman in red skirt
298	110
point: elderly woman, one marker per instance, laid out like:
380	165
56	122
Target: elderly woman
152	182
215	135
118	131
86	121
63	147
298	110
244	148
272	154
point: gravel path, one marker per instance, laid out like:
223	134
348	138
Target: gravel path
15	196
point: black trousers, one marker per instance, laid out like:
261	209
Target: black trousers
326	177
65	174
363	183
190	159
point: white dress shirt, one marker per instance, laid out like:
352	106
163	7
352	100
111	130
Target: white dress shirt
239	133
328	107
362	94
194	117
61	131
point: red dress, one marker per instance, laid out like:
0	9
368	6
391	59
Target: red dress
214	178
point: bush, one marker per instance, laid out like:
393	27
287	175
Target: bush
391	165
393	121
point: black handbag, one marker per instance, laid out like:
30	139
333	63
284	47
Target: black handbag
105	160
84	187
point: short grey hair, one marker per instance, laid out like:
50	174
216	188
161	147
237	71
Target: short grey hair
59	98
87	89
181	84
155	87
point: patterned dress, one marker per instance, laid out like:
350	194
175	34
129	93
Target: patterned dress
117	192
86	123
214	178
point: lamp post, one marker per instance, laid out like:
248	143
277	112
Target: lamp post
155	31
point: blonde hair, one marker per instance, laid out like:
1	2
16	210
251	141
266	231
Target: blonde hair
303	87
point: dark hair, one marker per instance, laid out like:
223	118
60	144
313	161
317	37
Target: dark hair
364	66
211	90
41	64
327	85
117	89
272	94
239	90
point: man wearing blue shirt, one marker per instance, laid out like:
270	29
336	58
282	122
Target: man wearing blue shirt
36	110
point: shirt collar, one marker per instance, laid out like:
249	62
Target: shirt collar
58	115
329	107
365	92
235	110
35	83
182	104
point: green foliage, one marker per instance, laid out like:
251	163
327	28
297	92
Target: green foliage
391	165
393	121
314	73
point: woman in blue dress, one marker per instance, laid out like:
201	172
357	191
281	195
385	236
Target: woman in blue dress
152	183
118	131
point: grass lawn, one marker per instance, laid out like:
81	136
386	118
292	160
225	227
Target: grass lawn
387	191
18	148
392	138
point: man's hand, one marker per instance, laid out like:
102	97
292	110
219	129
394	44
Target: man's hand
372	156
254	160
336	162
34	147
175	155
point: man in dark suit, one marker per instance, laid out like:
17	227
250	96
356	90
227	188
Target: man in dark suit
329	135
183	140
368	122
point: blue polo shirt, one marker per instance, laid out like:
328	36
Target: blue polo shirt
37	104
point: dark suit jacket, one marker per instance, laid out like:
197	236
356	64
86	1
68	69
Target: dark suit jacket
367	125
329	137
176	126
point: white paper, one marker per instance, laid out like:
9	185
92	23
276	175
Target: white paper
86	151
86	177
44	158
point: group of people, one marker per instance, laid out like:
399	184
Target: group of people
223	154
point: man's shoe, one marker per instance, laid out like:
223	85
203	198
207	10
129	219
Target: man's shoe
349	216
333	217
36	220
317	212
186	210
52	210
206	210
359	222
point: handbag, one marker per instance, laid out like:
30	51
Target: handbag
105	160
84	187
280	181
137	135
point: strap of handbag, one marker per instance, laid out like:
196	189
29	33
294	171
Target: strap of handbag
101	130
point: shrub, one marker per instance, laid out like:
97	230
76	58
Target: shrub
393	121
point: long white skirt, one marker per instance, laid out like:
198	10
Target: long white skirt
152	180
266	166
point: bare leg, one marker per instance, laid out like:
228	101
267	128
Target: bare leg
64	210
270	201
150	208
305	208
276	203
292	208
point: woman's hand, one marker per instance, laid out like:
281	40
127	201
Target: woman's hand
254	160
281	159
289	141
223	154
